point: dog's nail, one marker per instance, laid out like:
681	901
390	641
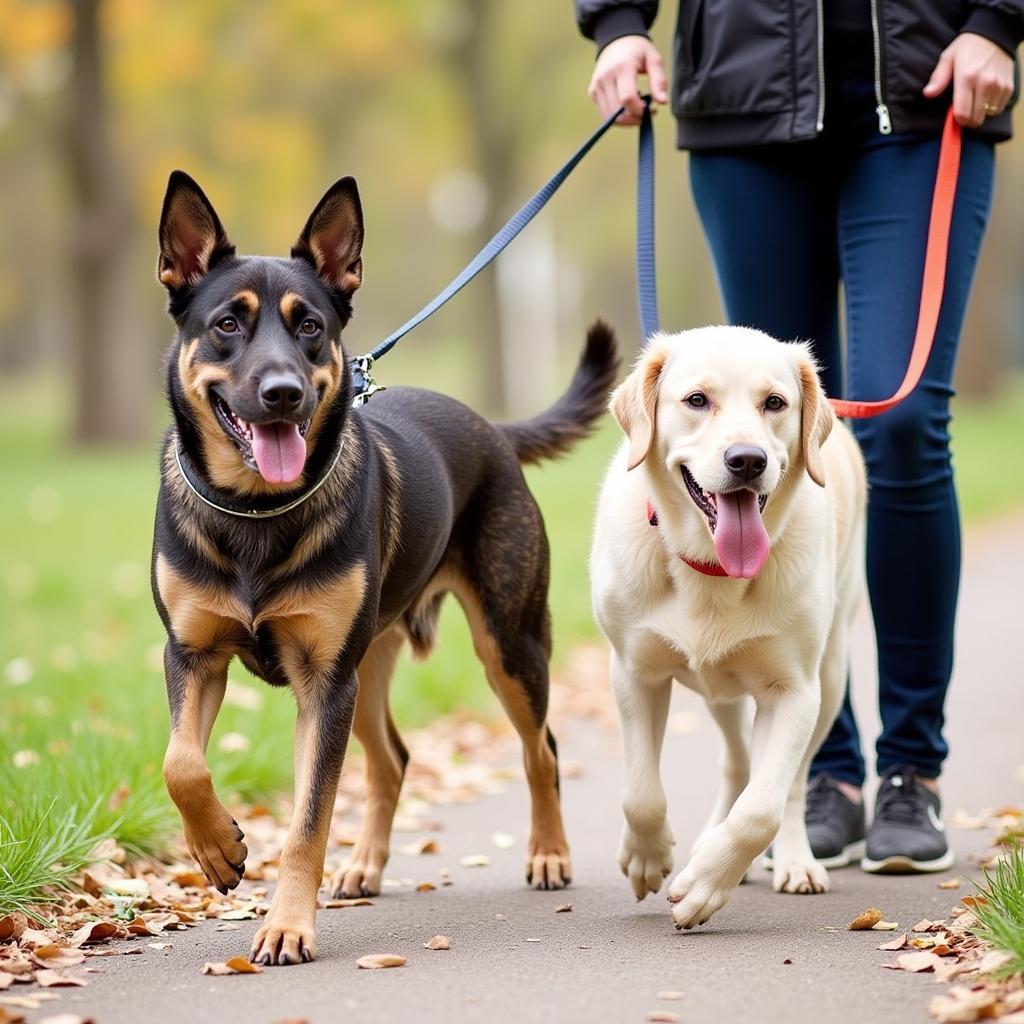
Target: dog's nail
307	956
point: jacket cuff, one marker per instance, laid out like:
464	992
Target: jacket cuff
1002	29
616	22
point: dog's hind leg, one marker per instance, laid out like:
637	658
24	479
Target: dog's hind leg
515	658
794	869
386	758
195	689
735	720
645	851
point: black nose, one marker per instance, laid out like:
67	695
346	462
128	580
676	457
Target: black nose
746	462
281	393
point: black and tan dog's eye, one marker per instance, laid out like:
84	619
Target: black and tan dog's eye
228	325
774	403
696	400
309	328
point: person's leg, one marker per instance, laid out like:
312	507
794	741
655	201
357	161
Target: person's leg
913	549
769	215
913	558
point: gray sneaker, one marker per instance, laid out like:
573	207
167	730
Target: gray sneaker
835	824
906	834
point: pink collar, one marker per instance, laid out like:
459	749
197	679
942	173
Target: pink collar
707	568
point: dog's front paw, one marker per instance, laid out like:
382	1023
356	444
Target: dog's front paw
215	843
548	867
799	875
646	860
694	899
281	942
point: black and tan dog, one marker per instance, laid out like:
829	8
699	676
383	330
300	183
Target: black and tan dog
311	541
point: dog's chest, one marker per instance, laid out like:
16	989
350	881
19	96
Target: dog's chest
288	633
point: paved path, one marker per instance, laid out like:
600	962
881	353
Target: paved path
513	958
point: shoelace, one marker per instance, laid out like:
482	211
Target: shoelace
822	795
900	799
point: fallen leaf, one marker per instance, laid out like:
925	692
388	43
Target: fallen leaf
54	979
533	940
914	963
438	942
885	926
563	908
343	904
898	943
426	887
962	1004
160	946
928	926
950	883
227	926
425	845
187	879
236	965
670	995
787	960
993	961
31	1002
137	888
378	961
973	901
67	1018
246	914
863	922
503	841
12	926
475	860
94	931
961	819
666	1016
55	956
10	1016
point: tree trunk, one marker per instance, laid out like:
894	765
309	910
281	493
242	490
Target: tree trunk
494	150
110	361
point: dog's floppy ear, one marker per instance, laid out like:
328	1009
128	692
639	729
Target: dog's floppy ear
191	236
816	418
634	403
332	239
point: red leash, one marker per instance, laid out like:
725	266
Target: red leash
933	280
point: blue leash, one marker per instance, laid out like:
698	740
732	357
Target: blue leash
647	296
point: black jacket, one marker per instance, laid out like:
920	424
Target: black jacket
747	72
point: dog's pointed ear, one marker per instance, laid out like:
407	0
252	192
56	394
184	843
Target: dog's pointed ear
192	239
816	418
634	403
332	239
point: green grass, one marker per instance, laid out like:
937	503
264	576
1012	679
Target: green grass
83	718
1002	917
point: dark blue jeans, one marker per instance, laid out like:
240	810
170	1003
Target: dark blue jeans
785	225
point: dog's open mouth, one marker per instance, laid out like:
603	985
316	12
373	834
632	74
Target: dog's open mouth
277	451
734	518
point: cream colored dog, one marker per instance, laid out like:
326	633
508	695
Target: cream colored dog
728	555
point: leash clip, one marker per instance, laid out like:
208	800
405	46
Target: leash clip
363	383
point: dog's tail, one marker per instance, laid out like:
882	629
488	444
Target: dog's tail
574	416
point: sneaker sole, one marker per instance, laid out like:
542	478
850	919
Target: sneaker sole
849	855
907	865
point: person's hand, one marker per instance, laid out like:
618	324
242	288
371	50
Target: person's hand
982	77
614	82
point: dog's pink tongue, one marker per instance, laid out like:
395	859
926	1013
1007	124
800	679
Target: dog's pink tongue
740	537
279	450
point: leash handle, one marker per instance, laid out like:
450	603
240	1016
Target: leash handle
933	279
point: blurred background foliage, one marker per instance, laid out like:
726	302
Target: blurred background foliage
449	113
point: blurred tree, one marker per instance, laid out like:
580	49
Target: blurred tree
110	386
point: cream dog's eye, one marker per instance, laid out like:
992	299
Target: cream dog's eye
774	403
696	400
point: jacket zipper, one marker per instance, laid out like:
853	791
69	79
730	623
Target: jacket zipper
821	67
884	122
